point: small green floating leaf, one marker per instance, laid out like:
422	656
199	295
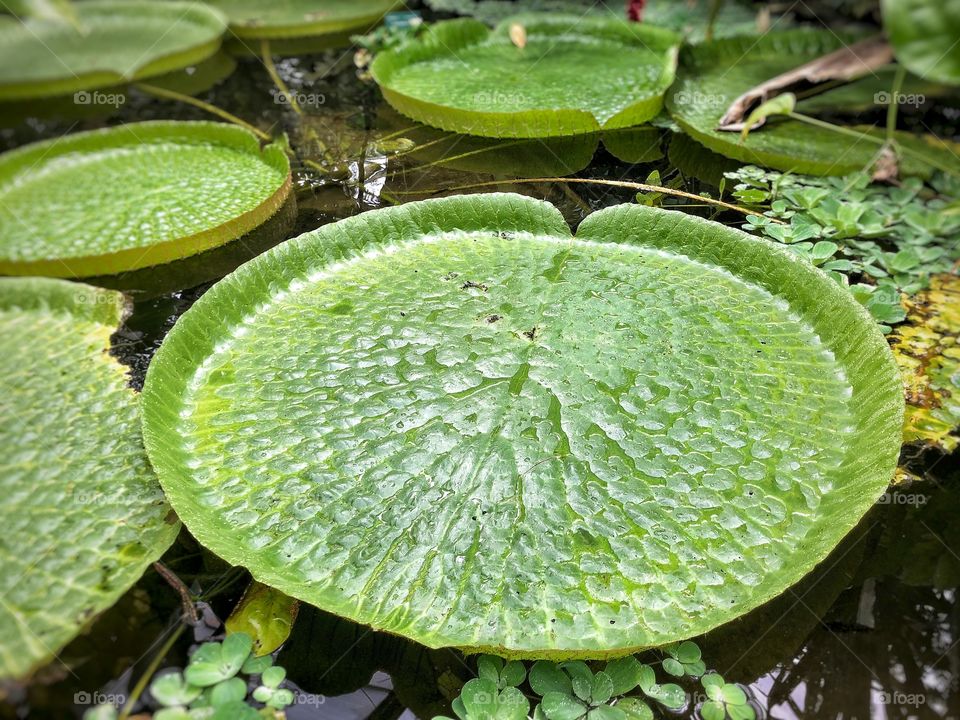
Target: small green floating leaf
172	690
78	490
575	75
214	662
635	709
135	196
50	57
388	417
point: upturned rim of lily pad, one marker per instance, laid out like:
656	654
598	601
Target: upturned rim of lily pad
263	29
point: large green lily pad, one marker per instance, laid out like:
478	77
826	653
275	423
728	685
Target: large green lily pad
129	197
283	19
713	75
574	75
82	512
456	422
924	35
116	41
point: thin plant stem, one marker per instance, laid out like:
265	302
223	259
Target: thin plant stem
212	109
945	167
277	80
641	187
894	106
149	672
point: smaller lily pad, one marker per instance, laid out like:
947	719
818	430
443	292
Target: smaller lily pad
297	20
114	41
130	197
573	75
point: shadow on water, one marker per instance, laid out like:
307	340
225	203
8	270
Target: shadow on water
872	633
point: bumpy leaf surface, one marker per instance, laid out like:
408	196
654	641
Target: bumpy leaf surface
456	422
114	41
713	75
573	75
299	18
134	196
82	512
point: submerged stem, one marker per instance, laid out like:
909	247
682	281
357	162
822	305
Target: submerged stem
212	109
149	672
275	76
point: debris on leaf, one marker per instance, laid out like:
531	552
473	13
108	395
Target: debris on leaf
927	351
518	35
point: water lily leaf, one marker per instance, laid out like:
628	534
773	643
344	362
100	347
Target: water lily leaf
574	75
691	18
134	196
83	513
712	75
924	36
43	57
430	418
255	19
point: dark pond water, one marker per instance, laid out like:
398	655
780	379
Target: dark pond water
873	633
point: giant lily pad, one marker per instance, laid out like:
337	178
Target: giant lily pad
255	19
574	75
129	197
82	512
454	421
713	74
115	41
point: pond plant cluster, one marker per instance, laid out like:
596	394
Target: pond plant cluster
568	459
